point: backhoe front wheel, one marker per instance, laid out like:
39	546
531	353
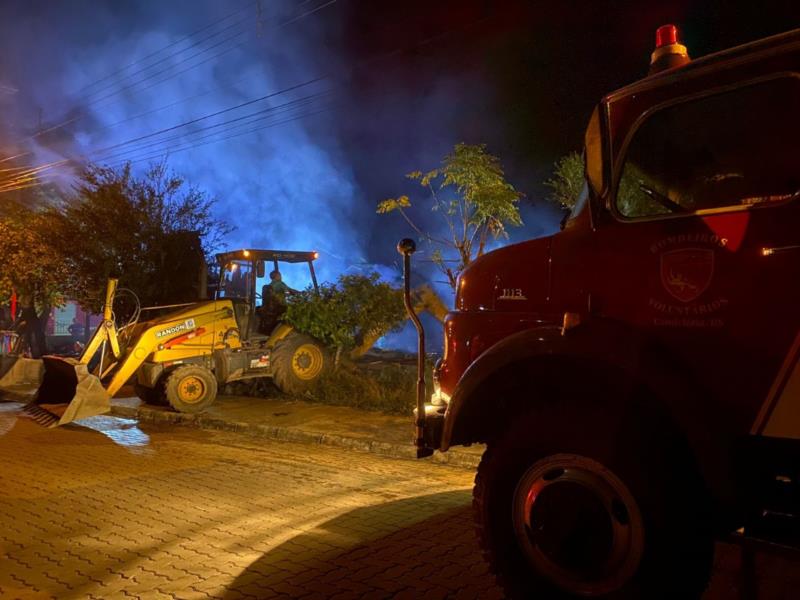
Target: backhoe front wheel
190	388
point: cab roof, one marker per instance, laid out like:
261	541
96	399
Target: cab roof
289	256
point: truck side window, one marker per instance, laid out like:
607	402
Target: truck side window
730	150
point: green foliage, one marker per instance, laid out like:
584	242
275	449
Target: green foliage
567	181
137	228
28	263
393	204
632	200
472	196
346	312
385	386
389	389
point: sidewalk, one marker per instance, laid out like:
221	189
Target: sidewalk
297	421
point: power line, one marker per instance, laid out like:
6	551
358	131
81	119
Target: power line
167	47
90	104
278	26
164	107
65	161
166	58
23	185
247	119
174	75
361	64
217	113
225	51
163	153
190	147
157	73
171	104
134	63
295	111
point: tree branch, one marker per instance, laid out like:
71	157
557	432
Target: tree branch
443	212
420	232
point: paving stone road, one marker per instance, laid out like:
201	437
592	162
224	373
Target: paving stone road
114	511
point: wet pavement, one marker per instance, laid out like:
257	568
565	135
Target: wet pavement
109	509
284	418
112	510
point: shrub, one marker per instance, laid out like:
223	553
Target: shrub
343	313
385	386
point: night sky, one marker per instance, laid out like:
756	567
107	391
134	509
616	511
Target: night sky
380	88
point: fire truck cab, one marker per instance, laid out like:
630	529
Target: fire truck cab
635	376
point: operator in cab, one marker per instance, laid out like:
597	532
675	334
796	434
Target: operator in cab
273	301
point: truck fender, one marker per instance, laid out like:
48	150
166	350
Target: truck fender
612	346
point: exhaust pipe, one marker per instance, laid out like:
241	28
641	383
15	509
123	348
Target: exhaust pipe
407	247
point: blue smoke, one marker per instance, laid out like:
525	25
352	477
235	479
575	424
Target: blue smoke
296	185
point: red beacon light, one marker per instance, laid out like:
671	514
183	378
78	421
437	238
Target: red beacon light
666	35
668	53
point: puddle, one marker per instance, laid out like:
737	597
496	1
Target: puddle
123	432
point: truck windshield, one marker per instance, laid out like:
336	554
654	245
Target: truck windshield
730	150
236	280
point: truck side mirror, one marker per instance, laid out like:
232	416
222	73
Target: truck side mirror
260	270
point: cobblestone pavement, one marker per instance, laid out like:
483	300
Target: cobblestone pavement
114	511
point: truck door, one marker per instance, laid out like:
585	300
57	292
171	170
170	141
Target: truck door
705	243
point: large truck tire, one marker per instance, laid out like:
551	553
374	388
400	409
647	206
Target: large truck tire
190	388
298	362
571	506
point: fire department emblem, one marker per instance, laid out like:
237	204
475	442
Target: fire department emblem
687	273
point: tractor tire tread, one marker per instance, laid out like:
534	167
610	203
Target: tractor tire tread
172	378
281	359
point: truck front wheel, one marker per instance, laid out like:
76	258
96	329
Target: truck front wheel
565	510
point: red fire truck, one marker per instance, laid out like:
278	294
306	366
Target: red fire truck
635	377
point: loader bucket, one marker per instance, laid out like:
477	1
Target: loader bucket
20	372
66	381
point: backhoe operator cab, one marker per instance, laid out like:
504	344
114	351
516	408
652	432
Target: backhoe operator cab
241	274
635	377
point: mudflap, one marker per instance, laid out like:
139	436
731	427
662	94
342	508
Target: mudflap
66	381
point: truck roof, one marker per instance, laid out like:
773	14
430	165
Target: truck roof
748	51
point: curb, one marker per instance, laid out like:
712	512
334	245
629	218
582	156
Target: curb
453	458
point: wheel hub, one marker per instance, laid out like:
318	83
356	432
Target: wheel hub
307	362
570	526
578	525
191	389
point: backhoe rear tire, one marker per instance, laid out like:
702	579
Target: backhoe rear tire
298	362
190	388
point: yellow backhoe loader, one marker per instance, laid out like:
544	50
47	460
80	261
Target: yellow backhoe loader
183	353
